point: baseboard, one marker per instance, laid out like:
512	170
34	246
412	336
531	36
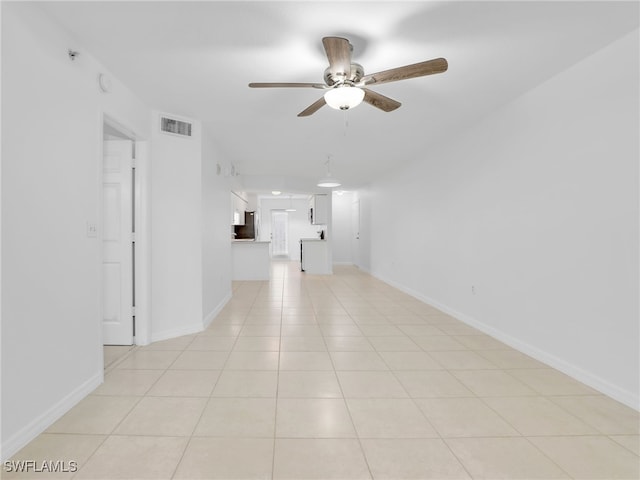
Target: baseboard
368	270
176	332
192	327
214	313
577	373
253	278
25	435
343	263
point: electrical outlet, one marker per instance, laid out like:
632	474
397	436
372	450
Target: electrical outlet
92	230
473	289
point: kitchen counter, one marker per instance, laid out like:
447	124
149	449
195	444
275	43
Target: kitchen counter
250	260
314	256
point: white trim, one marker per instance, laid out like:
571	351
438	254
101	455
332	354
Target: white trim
143	227
176	332
193	327
109	120
367	270
343	263
99	219
579	374
26	434
214	313
143	244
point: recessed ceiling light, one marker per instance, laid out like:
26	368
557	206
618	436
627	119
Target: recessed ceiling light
276	192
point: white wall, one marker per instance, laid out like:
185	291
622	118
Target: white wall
362	247
299	226
177	232
342	228
51	139
216	238
537	208
191	247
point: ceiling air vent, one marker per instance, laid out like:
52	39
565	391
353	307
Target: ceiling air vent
175	127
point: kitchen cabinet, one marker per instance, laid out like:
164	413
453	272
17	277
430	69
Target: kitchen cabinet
238	207
319	209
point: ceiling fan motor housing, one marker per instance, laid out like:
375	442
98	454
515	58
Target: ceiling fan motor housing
331	79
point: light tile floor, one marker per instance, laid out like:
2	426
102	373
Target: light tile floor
338	377
114	353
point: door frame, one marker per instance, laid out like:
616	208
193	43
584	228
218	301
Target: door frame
355	215
286	231
142	212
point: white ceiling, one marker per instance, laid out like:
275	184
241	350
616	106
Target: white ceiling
195	59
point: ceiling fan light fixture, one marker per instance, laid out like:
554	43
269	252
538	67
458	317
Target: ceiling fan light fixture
344	97
329	182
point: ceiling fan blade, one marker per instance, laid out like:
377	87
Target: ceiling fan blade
313	108
430	67
287	85
380	101
339	54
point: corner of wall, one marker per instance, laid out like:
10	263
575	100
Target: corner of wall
214	313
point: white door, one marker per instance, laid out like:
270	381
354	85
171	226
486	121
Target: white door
279	233
117	242
355	232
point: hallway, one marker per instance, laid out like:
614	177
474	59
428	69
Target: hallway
339	377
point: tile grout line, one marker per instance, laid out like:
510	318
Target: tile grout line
346	405
346	294
111	433
275	415
113	367
141	397
114	363
463	466
524	436
425	416
195	426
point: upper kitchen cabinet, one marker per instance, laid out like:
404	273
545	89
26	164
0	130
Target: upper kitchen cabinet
238	207
319	209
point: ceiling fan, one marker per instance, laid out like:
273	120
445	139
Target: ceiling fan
345	82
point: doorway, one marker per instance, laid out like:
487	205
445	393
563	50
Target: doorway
279	233
118	227
355	232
